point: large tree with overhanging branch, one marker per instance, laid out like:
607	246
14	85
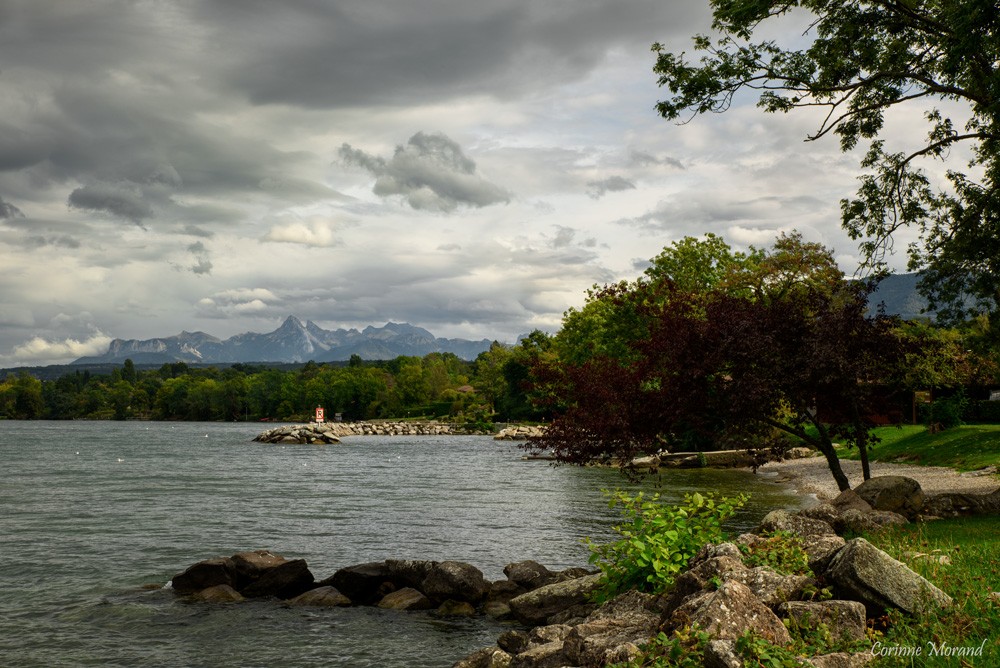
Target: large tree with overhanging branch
725	350
857	61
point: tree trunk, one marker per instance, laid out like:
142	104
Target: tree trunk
833	461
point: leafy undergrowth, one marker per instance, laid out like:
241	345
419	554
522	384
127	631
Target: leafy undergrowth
961	556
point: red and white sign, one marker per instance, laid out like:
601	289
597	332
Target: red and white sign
319	414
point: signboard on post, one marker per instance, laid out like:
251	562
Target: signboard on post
319	414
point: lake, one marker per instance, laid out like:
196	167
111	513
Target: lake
90	512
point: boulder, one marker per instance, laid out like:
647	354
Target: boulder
727	612
408	573
769	587
251	565
529	574
855	521
205	574
841	660
845	619
362	583
782	520
895	493
513	641
539	605
451	608
457	581
699	578
722	654
321	597
549	655
862	572
613	632
848	500
286	580
222	593
406	598
488	657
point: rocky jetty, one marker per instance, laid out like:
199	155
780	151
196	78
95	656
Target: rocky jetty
558	624
331	432
519	433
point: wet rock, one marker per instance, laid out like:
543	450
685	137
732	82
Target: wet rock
488	657
362	583
321	597
406	598
455	580
286	580
456	609
539	605
529	574
222	593
205	574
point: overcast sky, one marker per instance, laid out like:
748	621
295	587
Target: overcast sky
467	166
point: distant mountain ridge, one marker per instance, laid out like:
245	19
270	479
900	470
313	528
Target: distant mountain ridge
294	341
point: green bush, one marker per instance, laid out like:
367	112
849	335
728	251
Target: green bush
947	412
657	541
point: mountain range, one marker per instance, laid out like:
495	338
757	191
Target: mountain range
293	341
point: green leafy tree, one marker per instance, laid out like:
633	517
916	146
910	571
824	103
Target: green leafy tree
858	62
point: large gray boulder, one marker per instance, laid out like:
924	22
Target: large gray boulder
727	612
456	581
782	520
862	572
539	605
895	493
614	632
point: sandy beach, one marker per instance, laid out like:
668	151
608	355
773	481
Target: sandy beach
812	476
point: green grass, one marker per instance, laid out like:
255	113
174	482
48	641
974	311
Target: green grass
970	574
965	448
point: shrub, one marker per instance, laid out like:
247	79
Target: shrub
948	411
657	540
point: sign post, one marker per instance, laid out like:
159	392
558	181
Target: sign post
319	414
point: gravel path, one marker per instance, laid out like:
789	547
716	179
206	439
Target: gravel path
812	476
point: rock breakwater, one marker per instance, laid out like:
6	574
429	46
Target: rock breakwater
318	433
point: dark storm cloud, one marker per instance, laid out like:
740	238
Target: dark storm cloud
598	189
8	210
122	200
203	263
400	53
431	172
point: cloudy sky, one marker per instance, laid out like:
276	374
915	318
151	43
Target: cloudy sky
471	167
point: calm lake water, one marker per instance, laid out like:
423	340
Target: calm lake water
92	511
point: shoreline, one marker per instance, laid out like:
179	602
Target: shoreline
811	476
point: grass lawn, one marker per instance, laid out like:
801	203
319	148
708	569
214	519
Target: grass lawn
962	557
965	448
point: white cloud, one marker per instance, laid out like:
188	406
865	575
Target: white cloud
317	233
40	351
